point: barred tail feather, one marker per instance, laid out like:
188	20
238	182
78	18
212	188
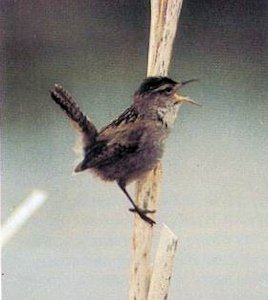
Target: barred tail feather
67	104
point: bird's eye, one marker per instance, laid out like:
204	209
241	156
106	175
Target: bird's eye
168	90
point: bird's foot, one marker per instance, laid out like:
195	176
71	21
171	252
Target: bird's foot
142	213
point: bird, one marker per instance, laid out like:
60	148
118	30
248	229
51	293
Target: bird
133	143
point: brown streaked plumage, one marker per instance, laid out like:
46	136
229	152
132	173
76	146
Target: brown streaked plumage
133	143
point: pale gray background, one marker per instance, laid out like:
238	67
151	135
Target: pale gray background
215	185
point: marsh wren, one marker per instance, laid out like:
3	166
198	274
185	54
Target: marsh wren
133	143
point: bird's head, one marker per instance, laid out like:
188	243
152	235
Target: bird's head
161	90
161	95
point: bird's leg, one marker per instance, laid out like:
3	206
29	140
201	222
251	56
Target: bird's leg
141	212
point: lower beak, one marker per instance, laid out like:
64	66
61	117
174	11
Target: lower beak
182	99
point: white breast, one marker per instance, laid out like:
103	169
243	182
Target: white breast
168	114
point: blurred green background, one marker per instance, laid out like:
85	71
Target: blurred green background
215	184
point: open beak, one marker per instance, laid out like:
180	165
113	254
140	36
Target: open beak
182	99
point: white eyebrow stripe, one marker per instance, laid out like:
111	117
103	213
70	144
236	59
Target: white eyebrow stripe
162	87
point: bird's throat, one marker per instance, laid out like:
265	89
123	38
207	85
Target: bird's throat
168	114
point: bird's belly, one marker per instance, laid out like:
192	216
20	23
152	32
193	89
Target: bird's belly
131	167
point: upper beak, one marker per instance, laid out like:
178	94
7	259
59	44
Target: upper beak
182	99
182	83
188	81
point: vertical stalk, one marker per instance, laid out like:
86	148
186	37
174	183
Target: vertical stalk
164	18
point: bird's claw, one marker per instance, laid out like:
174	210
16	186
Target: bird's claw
142	213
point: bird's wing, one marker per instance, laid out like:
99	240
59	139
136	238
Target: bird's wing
128	116
108	149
